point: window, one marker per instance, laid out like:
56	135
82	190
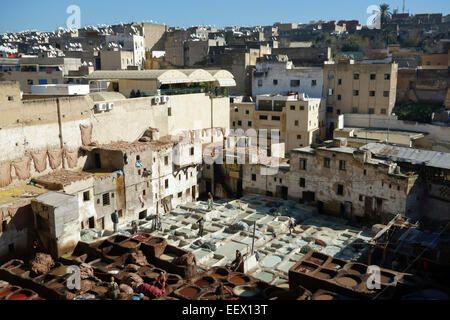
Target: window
330	92
342	165
10	98
296	123
180	195
372	93
373	76
302	183
247	112
169	112
239	123
383	111
144	192
340	190
365	172
86	196
55	81
303	164
260	83
356	76
386	94
302	108
236	109
166	160
262	117
295	83
313	83
299	137
138	158
249	123
276	118
106	200
30	82
166	184
371	110
338	111
192	151
339	82
339	97
293	108
234	123
327	162
275	82
253	177
330	109
356	93
387	76
354	110
361	197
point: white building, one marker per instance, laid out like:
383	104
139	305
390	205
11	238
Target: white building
129	43
277	75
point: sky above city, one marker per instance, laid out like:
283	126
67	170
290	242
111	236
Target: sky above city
48	15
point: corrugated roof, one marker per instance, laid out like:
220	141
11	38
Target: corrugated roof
198	75
163	76
414	156
223	77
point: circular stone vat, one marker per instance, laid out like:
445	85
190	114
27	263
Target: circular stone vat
335	264
4	293
205	282
22	295
305	267
324	296
173	279
189	292
219	273
357	269
155	241
348	281
239	279
265	276
130	244
317	258
246	292
326	274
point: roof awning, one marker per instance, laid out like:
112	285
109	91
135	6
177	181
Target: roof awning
226	82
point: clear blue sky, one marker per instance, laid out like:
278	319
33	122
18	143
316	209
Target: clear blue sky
48	15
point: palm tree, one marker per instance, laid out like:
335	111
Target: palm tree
385	14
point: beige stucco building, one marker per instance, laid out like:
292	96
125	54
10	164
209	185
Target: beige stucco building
297	118
368	87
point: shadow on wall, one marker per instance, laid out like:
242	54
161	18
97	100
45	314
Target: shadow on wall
15	237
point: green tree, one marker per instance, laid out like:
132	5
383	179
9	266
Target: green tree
385	14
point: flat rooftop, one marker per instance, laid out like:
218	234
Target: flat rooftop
62	178
19	193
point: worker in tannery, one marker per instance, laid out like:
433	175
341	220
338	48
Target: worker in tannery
200	227
237	261
161	281
113	288
210	201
